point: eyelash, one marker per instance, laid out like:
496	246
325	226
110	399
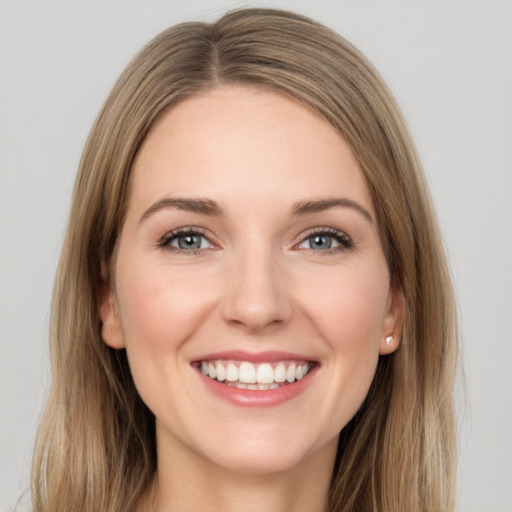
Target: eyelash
168	238
344	240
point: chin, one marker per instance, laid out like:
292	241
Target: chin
259	462
265	451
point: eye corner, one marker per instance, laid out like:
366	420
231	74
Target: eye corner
189	240
328	241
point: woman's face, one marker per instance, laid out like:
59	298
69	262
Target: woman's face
251	289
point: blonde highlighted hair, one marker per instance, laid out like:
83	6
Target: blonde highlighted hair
96	445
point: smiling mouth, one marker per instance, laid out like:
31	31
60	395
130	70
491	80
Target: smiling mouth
259	376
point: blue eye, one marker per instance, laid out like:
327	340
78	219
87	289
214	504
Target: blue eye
326	240
189	242
319	242
185	240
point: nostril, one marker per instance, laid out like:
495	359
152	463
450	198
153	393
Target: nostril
267	312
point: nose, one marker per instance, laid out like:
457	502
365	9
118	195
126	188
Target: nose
258	297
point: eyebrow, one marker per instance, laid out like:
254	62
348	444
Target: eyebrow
320	205
202	206
212	208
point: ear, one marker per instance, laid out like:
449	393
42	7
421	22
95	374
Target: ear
111	330
393	322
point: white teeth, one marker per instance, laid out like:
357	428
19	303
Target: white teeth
231	373
247	373
290	373
265	374
260	387
221	372
280	373
262	376
241	385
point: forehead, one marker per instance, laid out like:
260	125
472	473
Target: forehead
248	142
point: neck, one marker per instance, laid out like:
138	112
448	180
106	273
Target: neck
186	482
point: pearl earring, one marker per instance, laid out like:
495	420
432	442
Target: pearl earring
389	340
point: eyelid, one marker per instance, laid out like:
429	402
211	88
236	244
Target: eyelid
344	240
164	242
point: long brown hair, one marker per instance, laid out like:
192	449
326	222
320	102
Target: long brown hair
96	444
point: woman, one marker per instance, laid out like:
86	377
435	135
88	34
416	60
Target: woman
252	306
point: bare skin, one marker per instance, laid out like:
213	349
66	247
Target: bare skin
301	489
250	232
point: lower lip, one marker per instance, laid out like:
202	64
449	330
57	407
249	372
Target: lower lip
258	398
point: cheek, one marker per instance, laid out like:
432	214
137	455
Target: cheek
349	320
159	312
158	306
349	307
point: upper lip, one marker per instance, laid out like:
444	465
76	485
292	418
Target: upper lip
267	356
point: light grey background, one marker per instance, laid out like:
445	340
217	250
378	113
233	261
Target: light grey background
449	64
